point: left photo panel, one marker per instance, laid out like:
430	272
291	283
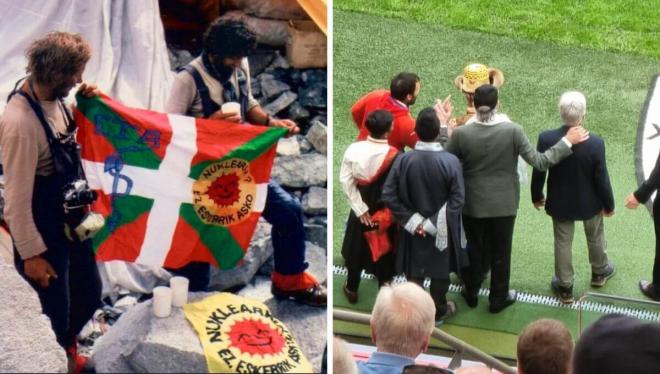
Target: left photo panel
163	186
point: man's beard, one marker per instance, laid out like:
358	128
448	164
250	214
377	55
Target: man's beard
223	71
61	90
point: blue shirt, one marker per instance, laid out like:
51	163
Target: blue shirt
384	363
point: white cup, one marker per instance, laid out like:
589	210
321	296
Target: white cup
231	107
179	286
162	301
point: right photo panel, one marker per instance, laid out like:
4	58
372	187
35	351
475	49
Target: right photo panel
495	168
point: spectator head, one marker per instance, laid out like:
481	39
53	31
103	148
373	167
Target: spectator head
227	42
379	123
572	107
57	61
545	347
427	125
618	344
405	88
342	359
402	319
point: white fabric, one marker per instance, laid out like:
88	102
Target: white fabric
441	237
129	55
428	146
413	223
362	160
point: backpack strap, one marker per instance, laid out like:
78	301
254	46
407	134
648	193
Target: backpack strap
208	105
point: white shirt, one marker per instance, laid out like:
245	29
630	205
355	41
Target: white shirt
362	161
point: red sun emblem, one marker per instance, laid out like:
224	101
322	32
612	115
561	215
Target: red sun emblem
255	337
224	190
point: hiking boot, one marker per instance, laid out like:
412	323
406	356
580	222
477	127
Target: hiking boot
565	294
498	306
599	280
649	290
451	310
313	296
351	296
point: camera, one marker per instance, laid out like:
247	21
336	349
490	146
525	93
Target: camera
77	194
80	223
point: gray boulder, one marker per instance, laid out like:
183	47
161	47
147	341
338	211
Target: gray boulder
260	249
308	169
282	102
288	147
317	234
315	201
27	340
318	136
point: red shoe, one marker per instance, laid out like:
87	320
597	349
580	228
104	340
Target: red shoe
76	362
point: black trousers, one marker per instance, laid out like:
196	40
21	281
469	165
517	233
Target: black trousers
383	269
438	289
490	237
656	225
71	299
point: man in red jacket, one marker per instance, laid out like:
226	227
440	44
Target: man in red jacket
403	92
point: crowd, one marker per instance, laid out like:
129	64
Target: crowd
449	204
402	320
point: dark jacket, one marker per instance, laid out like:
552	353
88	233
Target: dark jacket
578	186
649	186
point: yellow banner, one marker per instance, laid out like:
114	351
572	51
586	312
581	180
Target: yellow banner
241	336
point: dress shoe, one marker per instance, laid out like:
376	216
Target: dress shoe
472	300
498	306
351	296
599	280
649	290
313	296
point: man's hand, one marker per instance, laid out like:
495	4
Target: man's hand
366	220
632	202
539	204
577	134
231	116
285	123
39	270
88	90
443	110
608	214
420	230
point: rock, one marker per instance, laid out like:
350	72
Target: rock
255	86
317	234
140	342
288	147
271	87
315	201
314	76
281	103
260	249
321	118
318	136
314	96
260	60
27	340
305	145
298	113
295	78
308	169
178	58
279	62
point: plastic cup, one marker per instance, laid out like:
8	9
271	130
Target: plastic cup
231	107
179	286
162	302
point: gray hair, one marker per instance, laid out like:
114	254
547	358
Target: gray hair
572	107
403	317
485	113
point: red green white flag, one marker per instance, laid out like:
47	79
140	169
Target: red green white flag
173	189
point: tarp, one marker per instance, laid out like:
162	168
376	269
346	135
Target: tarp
317	10
129	55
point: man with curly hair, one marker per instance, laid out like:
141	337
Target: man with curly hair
36	130
222	75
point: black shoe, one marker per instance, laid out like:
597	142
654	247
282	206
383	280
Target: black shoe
451	310
472	300
649	290
313	296
599	280
565	294
496	307
351	296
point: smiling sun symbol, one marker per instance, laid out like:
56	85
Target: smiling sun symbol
224	191
255	337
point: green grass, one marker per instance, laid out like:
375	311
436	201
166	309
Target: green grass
370	49
629	26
